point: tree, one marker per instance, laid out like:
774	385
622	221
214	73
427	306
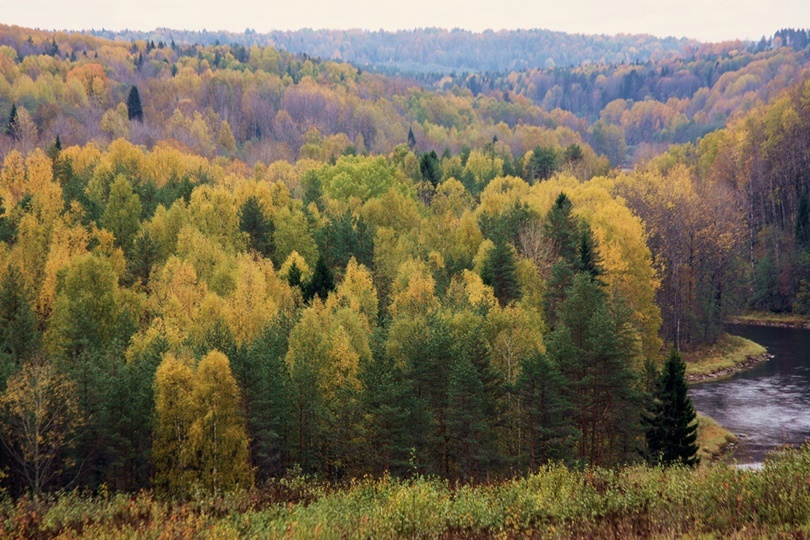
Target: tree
542	164
11	125
562	229
173	417
322	282
593	347
500	273
122	214
672	430
545	411
261	373
573	153
19	338
258	228
466	420
134	108
39	418
411	139
225	138
430	168
217	436
86	314
590	261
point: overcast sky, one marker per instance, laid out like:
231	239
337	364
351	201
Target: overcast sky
707	20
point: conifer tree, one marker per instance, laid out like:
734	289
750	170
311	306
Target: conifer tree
590	261
322	282
11	125
542	164
261	373
430	168
672	429
500	272
545	411
467	425
19	337
411	139
134	108
393	413
294	275
593	350
562	229
258	228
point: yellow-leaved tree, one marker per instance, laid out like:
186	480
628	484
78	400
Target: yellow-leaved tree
217	437
173	417
200	438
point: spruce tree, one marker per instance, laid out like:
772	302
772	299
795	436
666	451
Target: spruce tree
134	108
258	228
672	432
500	272
430	168
11	125
260	371
589	259
591	345
411	139
466	419
545	412
562	229
322	282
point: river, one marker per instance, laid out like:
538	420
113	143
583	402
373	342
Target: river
768	405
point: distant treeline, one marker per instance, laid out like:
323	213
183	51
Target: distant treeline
438	50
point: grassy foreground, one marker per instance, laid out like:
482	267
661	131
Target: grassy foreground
721	358
637	501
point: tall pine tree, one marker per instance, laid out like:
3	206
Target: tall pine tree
672	429
500	272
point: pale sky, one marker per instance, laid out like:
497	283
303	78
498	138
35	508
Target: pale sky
706	20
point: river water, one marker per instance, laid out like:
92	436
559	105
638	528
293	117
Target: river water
768	405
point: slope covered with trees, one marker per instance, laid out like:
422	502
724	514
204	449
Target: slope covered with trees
227	263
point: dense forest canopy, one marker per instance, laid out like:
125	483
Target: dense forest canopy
225	261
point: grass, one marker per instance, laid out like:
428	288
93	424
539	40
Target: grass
638	501
725	354
771	318
713	439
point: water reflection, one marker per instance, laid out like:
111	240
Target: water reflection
768	405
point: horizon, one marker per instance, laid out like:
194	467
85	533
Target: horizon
707	21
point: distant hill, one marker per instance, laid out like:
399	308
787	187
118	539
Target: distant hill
433	50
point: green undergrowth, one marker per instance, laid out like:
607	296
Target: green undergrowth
713	439
770	318
728	352
632	502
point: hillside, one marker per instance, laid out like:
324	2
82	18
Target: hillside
219	264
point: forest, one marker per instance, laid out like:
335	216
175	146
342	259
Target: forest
222	265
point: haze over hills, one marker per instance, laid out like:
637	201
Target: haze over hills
438	50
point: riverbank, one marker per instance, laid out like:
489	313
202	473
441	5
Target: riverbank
767	318
727	356
714	441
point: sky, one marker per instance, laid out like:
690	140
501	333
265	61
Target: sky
705	20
